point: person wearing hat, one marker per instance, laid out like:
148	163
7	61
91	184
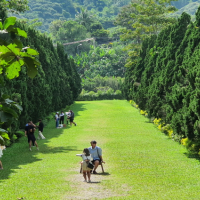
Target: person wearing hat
96	153
57	119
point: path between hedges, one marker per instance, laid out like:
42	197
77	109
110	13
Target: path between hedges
141	162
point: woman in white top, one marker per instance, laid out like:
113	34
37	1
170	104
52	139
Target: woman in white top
57	119
86	156
68	116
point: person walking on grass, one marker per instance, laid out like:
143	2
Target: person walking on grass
26	129
86	156
40	130
29	132
72	118
96	153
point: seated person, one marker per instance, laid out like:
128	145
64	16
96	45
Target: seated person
96	153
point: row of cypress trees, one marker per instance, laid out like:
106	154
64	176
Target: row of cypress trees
166	79
56	85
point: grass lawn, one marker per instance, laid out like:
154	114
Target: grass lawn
141	162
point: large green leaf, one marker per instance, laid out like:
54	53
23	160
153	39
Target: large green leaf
9	22
1	140
4	96
5	136
7	58
4	116
9	111
3	130
4	50
13	70
20	32
31	67
9	101
31	71
32	51
24	54
18	106
18	43
14	49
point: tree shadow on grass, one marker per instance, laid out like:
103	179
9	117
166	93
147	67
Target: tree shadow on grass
103	174
18	154
15	157
77	107
192	156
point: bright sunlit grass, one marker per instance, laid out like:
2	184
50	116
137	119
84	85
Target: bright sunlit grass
141	162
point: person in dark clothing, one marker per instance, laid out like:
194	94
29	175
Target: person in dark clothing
71	118
40	129
29	132
62	117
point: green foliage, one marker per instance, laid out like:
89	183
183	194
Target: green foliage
107	60
109	94
49	10
14	5
101	88
85	18
12	58
19	134
165	81
99	83
57	82
148	17
70	31
13	55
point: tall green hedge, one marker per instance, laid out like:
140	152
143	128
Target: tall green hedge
166	79
56	85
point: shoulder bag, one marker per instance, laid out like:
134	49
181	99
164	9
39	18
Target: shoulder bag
90	165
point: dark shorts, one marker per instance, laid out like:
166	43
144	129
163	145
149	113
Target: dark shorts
95	160
31	137
71	119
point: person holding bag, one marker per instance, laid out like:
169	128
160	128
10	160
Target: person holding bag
86	163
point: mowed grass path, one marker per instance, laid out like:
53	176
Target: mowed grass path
141	162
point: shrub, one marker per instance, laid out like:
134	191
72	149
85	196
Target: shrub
8	143
19	134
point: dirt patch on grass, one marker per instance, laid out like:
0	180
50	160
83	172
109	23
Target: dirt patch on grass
93	190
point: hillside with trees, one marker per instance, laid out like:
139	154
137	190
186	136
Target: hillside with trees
47	11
